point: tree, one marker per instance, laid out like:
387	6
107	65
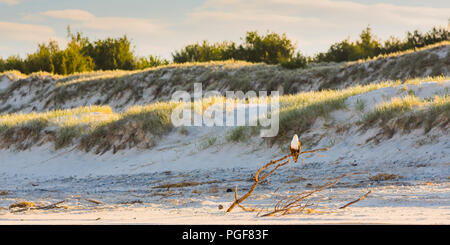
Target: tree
43	59
271	48
205	52
368	46
74	60
112	53
15	63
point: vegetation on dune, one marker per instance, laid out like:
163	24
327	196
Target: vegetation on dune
121	88
410	112
95	125
368	46
100	129
138	126
271	48
299	112
278	49
388	110
81	115
82	55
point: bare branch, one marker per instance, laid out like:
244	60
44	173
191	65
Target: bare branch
355	201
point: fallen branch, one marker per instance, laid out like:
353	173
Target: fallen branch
243	207
257	179
355	201
294	204
94	201
51	206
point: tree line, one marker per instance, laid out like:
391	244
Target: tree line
369	46
82	55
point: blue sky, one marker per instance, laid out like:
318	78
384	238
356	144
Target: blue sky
160	27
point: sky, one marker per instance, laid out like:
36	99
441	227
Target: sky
164	26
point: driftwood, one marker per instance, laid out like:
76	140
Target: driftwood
295	203
94	201
258	179
355	201
298	202
51	206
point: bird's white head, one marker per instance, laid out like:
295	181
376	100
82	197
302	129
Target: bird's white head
294	142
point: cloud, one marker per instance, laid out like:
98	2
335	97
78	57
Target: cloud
86	20
70	14
18	38
9	2
25	32
318	12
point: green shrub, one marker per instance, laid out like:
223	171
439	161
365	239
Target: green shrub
368	45
271	48
298	61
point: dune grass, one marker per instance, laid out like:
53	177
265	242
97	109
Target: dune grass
409	51
387	110
299	112
92	123
97	126
99	76
400	105
410	113
87	115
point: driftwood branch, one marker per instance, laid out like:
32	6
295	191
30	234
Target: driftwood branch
257	177
51	206
299	202
296	203
256	180
94	201
355	201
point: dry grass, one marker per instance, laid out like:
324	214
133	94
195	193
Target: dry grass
22	204
95	125
87	115
424	109
384	177
409	51
299	112
97	76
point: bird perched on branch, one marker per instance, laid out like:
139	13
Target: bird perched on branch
295	147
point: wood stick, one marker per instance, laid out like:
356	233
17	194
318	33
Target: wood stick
93	201
255	183
257	179
355	201
54	205
50	206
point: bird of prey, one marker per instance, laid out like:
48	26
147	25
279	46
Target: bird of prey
295	147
